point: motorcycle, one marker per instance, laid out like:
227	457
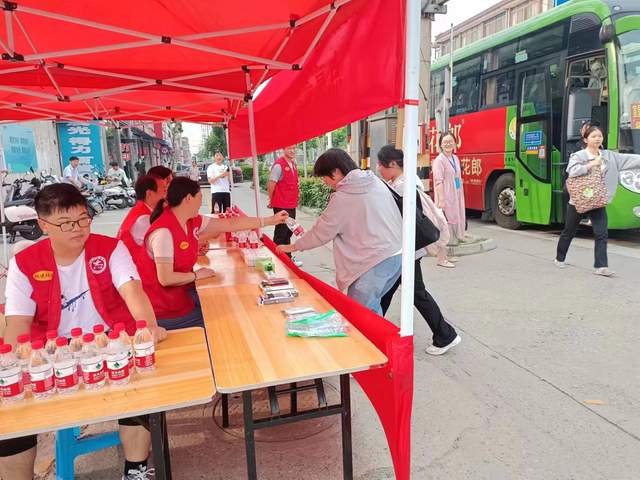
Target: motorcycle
131	196
19	212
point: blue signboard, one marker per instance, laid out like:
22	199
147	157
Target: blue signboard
18	148
560	2
532	139
82	140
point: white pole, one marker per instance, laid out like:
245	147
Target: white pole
329	141
254	156
304	158
5	248
226	138
410	143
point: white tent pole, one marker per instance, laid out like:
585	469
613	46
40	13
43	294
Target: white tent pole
225	128
5	249
410	143
254	148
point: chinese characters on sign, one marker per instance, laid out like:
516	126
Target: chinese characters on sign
82	140
635	115
18	149
471	170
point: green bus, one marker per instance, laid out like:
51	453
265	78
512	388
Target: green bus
520	97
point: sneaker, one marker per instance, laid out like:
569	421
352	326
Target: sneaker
446	264
433	350
144	474
559	264
604	271
453	259
296	262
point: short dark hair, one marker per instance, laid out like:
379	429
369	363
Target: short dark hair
179	188
113	163
332	159
144	184
71	159
447	134
160	172
389	153
58	197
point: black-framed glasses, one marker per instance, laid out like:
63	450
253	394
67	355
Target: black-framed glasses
68	226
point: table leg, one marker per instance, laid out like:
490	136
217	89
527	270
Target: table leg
160	445
249	442
345	400
225	410
294	398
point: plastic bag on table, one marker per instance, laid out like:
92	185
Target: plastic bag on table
329	324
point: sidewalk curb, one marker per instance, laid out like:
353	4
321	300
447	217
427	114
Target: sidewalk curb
481	246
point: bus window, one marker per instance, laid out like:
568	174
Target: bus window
630	92
437	92
534	95
542	43
588	95
499	90
500	57
466	86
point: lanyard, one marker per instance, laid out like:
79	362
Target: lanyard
453	164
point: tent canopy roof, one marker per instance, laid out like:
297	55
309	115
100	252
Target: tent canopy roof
95	59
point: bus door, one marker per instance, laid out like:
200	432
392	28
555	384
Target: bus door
533	168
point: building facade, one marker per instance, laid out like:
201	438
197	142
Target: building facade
501	16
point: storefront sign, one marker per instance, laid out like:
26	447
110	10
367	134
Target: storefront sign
635	115
82	140
18	148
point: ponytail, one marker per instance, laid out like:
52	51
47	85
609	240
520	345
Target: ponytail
179	188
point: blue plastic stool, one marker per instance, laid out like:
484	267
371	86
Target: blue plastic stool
69	446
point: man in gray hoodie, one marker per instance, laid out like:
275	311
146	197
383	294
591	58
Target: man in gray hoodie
365	225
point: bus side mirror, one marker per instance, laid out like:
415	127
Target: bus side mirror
607	33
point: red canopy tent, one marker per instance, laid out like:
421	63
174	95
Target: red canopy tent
197	61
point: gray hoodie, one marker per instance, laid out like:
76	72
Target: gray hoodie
364	223
613	163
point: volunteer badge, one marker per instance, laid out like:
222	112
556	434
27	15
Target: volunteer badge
98	264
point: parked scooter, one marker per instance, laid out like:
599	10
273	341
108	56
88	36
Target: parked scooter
19	212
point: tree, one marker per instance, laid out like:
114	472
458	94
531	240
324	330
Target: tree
216	141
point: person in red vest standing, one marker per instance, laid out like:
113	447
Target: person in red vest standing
284	193
74	279
171	251
149	191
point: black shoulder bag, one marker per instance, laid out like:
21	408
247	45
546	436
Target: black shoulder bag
426	232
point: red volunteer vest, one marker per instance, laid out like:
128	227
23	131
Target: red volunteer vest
124	234
38	264
171	302
286	193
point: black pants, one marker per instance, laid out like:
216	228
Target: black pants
443	333
599	223
282	233
223	199
14	446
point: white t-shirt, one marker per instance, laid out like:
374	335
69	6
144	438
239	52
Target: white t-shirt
139	229
78	309
70	172
160	242
222	184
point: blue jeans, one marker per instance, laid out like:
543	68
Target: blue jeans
192	319
369	289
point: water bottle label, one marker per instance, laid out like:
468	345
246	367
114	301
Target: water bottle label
298	231
145	355
93	372
11	383
42	382
26	379
118	366
131	359
66	374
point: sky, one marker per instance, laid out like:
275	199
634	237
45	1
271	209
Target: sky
457	12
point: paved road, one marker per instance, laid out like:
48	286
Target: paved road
545	385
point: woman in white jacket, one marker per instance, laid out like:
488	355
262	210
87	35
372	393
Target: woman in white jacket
390	167
364	224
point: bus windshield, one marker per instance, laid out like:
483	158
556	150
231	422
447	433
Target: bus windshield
630	91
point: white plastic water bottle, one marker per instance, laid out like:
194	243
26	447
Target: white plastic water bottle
243	242
144	347
100	337
41	372
92	363
50	346
75	346
254	243
126	340
11	386
23	352
295	227
117	360
216	208
65	368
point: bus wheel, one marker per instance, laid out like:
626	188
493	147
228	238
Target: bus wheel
503	202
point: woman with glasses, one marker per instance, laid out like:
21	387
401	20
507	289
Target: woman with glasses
449	194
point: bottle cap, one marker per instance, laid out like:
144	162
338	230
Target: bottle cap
76	332
61	342
113	335
37	344
141	324
24	338
52	334
98	328
5	348
88	337
118	327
